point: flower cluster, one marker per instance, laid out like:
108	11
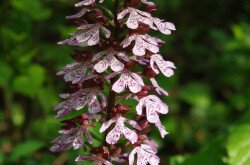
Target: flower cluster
114	55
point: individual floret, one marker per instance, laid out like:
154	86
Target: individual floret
119	129
145	155
131	80
88	35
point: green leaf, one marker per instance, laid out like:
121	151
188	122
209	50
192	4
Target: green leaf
95	131
12	35
238	31
21	85
210	155
47	131
196	94
34	8
36	74
48	98
26	57
178	160
238	145
74	113
25	149
30	83
17	115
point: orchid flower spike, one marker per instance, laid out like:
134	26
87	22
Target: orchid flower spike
114	59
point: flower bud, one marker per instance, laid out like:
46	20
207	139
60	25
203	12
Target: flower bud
74	87
148	72
101	151
142	29
120	109
145	125
79	22
94	82
115	151
98	16
131	64
144	92
151	8
82	56
132	3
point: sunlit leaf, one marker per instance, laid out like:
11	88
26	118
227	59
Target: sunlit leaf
196	94
238	145
17	115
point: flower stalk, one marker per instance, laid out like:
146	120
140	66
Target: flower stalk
115	55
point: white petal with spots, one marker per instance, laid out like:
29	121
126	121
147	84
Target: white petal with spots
142	43
120	129
153	106
166	67
145	156
131	80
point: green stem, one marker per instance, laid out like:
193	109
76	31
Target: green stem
111	99
112	95
117	24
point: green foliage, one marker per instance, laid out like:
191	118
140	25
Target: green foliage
1	157
208	97
238	145
6	74
18	116
30	83
25	149
200	95
210	154
33	8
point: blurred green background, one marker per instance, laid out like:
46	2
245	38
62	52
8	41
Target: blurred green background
209	119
